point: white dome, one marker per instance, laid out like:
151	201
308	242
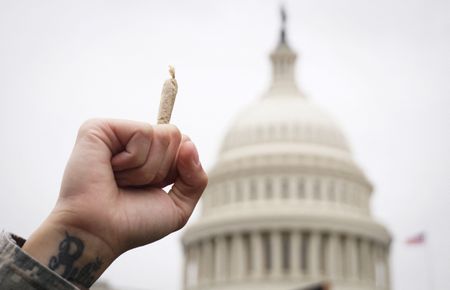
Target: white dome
291	119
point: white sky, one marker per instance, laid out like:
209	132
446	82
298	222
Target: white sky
382	68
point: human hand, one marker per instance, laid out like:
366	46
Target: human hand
112	196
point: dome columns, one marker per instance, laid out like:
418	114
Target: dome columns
275	255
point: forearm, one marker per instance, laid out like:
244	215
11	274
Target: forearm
76	255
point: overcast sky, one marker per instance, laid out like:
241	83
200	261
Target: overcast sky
382	68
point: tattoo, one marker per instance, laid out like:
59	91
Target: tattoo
71	249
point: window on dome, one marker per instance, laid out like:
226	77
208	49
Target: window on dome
226	194
301	189
285	188
344	195
296	132
272	131
357	197
269	188
331	192
308	132
238	192
253	190
259	133
351	196
283	130
316	194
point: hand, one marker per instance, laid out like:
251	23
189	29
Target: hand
112	196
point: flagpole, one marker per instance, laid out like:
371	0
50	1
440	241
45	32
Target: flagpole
429	263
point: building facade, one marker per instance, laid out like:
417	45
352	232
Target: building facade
286	205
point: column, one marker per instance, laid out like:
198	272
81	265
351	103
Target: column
201	263
375	267
275	237
365	260
295	253
257	255
313	254
187	260
371	263
194	265
385	252
220	259
208	261
380	270
351	258
237	257
332	259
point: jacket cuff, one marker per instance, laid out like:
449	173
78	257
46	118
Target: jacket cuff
18	270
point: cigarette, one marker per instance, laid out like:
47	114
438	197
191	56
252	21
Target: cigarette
168	94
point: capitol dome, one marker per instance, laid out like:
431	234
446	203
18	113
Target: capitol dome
286	205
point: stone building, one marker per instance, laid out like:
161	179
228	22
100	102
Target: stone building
286	205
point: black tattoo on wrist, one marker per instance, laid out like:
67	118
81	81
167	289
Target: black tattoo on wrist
71	249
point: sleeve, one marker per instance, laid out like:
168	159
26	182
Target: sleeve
19	271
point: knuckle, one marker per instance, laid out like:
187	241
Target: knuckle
183	219
136	158
174	133
147	131
163	137
90	126
169	133
203	181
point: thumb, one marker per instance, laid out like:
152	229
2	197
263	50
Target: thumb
190	182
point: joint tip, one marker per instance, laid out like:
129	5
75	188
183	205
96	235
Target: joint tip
172	71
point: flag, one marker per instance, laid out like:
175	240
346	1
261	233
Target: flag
418	239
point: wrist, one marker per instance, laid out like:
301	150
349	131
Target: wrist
78	256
